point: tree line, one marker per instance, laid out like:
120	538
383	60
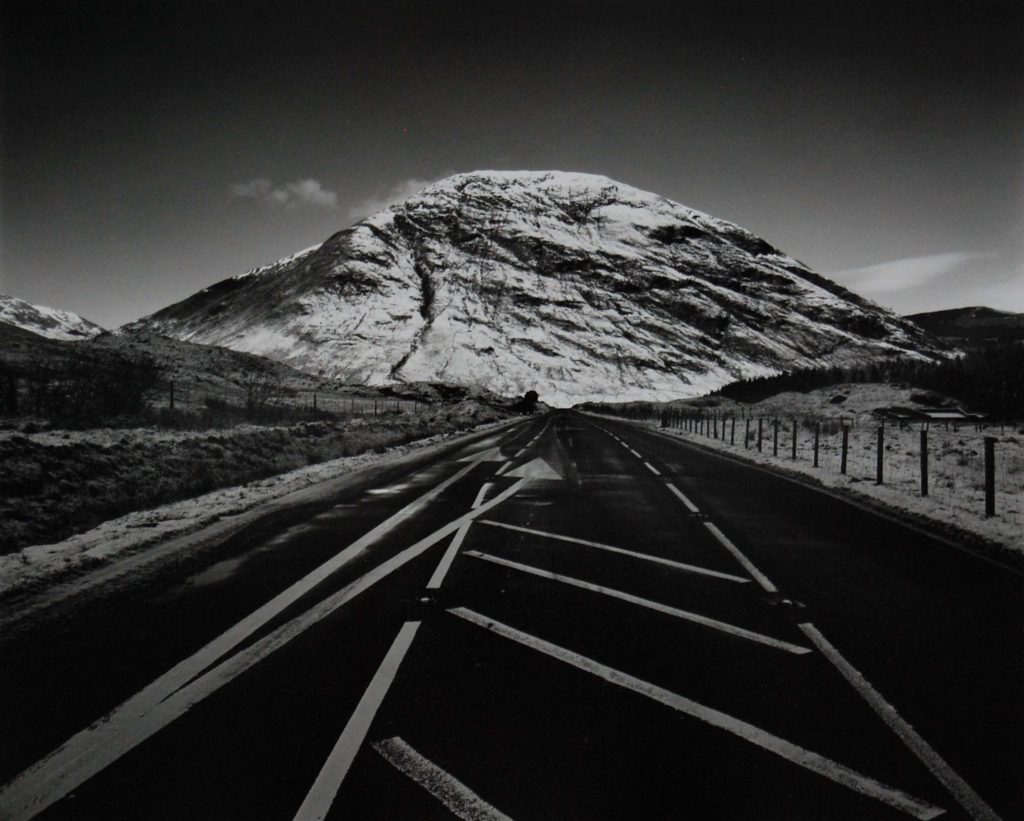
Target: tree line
990	379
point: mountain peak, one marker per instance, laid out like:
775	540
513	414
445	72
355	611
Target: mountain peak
570	284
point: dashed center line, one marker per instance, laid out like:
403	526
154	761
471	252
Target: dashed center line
457	798
743	560
838	773
682	498
652	468
688	568
704	621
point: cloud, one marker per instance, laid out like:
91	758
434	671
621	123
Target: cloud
905	274
401	191
307	192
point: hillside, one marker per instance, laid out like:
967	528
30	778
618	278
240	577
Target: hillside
51	323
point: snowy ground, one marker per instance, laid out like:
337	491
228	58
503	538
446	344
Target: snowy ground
140	532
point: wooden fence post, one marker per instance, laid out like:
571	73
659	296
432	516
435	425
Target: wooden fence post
746	434
924	461
990	476
880	449
760	433
732	431
775	440
793	456
845	450
817	441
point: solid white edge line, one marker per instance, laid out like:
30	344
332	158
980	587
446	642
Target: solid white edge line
668	610
958	788
456	797
814	762
748	565
688	568
449	556
322	794
682	498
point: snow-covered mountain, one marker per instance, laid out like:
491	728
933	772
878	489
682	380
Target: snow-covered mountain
49	322
573	285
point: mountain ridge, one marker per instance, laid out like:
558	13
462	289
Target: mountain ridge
574	285
52	323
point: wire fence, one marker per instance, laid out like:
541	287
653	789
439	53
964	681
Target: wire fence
976	465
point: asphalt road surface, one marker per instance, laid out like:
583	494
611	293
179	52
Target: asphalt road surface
571	619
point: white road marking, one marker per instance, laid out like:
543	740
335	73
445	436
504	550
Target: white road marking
98	746
637	455
321	795
449	556
743	560
755	735
652	468
481	495
690	506
503	468
722	626
960	789
689	568
457	798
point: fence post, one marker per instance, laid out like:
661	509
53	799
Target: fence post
775	440
924	461
990	476
845	450
880	451
314	402
714	419
732	431
817	441
760	433
746	434
793	455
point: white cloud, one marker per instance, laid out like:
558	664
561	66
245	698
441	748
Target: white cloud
912	272
307	192
401	191
954	279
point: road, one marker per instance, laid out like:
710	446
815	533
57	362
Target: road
574	618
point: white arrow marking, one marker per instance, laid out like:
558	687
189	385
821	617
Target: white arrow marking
536	469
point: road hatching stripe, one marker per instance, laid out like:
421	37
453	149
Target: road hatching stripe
688	568
457	798
814	762
705	621
960	789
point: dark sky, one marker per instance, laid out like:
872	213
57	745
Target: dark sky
152	147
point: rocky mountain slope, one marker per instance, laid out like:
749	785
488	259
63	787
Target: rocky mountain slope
49	322
573	285
972	324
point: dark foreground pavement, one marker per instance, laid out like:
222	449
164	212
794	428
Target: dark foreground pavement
573	619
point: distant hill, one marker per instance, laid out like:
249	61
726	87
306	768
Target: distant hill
975	324
51	323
